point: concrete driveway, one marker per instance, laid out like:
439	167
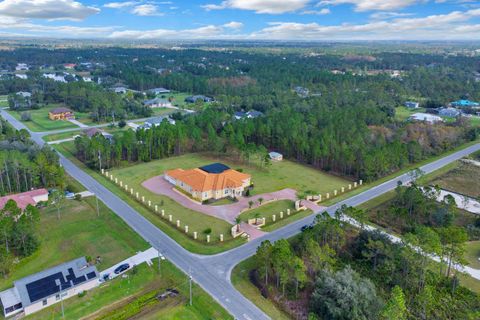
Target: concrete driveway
229	212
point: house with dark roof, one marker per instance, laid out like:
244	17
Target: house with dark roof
41	290
412	104
157	91
449	112
157	103
154	122
193	99
91	132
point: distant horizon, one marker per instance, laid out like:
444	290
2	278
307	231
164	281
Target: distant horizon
254	20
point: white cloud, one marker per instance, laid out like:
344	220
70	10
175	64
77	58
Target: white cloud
260	6
120	5
146	10
368	5
388	15
320	12
233	25
46	9
446	26
206	32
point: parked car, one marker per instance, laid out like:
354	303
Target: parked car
121	268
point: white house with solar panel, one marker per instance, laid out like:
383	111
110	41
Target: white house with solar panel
43	289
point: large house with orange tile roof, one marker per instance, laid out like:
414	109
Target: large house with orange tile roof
215	181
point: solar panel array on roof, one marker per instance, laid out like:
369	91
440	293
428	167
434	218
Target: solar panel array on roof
48	286
215	168
91	275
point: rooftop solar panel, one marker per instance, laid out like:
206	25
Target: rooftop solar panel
215	168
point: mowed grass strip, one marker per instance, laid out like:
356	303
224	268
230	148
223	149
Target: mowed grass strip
278	176
274	208
79	232
196	246
40	121
120	292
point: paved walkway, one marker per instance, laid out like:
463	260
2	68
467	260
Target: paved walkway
227	212
252	231
61	141
462	202
78	123
139	258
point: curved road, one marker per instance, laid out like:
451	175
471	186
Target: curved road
212	273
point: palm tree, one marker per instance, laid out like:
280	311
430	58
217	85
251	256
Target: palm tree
250	204
257	215
260	200
238	221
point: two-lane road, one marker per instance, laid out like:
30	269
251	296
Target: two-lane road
212	273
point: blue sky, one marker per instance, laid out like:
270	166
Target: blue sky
243	19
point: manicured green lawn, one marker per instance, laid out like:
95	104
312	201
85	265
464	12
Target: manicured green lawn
472	254
240	279
40	121
274	208
145	279
79	232
178	235
403	113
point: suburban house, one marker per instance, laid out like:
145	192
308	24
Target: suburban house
119	90
157	103
275	156
425	117
61	113
214	181
23	199
302	92
41	290
193	99
158	120
91	132
412	105
55	77
69	66
24	94
22	67
252	114
157	91
449	112
465	104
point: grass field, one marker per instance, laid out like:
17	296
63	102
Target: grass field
79	232
119	293
240	279
178	235
40	121
269	209
463	178
403	113
472	254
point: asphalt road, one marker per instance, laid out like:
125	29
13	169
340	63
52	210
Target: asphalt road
212	273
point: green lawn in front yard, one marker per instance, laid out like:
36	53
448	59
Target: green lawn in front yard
114	297
472	254
403	113
274	208
40	121
203	221
78	232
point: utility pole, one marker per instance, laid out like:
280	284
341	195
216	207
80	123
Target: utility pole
190	282
159	260
96	200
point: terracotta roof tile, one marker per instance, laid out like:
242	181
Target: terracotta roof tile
202	181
